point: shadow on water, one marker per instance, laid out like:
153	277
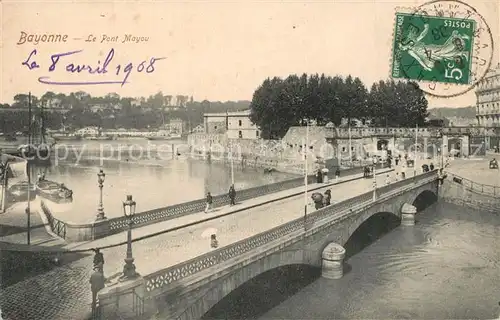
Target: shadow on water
17	266
370	231
264	292
424	200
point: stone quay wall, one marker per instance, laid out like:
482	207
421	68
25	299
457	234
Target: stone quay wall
467	193
258	153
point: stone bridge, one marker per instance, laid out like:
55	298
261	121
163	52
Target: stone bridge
189	290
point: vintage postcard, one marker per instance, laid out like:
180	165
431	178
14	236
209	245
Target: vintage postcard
249	159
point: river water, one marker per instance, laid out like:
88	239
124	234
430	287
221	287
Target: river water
447	266
145	169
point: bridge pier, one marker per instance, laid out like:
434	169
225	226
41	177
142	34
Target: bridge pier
408	215
333	261
122	298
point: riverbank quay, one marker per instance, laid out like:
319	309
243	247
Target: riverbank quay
65	293
116	223
14	225
45	235
476	169
466	193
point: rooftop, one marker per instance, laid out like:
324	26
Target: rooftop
243	113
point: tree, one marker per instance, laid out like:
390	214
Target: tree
21	100
47	97
272	107
168	100
397	104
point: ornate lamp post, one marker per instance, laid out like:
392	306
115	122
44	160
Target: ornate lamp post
374	179
129	267
100	209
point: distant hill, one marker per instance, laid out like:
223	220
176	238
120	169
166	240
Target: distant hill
465	112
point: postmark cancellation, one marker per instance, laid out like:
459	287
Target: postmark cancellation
445	46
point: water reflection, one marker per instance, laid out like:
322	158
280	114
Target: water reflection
153	182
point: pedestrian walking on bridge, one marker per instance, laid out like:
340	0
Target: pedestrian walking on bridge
232	195
209	202
327	198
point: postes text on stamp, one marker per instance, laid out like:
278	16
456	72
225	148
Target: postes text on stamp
444	45
438	49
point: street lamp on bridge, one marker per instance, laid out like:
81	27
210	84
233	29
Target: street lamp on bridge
129	267
374	160
100	209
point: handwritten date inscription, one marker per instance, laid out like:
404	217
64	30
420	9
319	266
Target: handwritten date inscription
62	61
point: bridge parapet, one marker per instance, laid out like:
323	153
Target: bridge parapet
171	277
430	132
89	231
120	224
381	132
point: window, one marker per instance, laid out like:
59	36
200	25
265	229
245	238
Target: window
215	127
240	134
257	134
343	149
239	123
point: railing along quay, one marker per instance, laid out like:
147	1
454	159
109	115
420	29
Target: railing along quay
475	186
339	211
57	226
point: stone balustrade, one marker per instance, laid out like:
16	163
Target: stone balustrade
156	282
410	132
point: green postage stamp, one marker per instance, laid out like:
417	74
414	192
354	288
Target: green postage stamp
437	49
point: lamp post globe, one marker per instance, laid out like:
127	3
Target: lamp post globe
129	267
101	176
129	207
100	208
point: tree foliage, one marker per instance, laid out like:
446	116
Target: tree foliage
278	103
75	111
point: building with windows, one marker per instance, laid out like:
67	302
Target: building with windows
176	126
236	125
488	99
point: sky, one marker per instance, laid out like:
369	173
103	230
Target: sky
215	50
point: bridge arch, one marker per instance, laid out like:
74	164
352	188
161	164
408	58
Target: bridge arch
195	296
370	226
423	200
263	292
224	286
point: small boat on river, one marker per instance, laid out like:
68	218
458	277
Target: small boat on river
53	191
66	137
100	138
